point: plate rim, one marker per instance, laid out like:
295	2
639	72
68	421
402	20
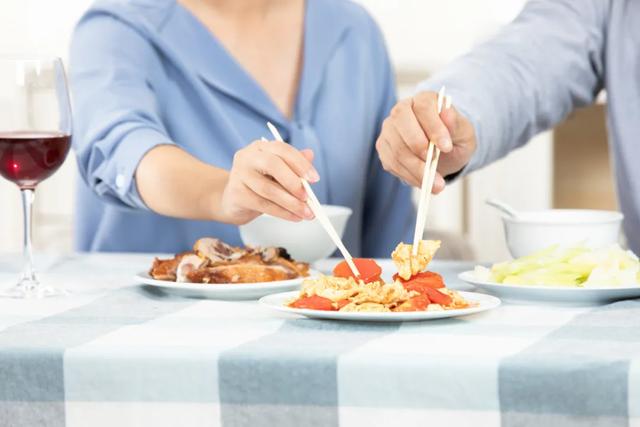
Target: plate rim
467	276
146	279
493	300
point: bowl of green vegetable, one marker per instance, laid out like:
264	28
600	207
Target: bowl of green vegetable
529	232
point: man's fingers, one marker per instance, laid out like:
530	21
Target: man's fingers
404	120
438	184
425	109
391	164
449	117
411	164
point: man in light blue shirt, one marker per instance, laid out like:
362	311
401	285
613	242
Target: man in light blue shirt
147	74
556	56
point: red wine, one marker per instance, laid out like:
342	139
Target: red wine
27	158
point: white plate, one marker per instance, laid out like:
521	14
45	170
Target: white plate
552	294
225	291
278	301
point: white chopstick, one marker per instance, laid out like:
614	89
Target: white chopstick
316	208
428	178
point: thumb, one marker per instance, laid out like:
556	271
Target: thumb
451	119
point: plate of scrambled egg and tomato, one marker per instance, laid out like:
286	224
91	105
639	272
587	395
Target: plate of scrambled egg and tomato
414	294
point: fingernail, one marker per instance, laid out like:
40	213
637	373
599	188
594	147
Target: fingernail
307	213
312	176
445	144
447	102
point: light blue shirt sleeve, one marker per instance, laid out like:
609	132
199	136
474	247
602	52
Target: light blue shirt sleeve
116	112
543	65
390	212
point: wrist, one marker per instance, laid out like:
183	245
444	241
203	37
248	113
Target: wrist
211	204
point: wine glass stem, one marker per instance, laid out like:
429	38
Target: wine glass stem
28	195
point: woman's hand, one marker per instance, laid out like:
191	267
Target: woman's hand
412	123
265	178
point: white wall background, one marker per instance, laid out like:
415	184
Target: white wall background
422	35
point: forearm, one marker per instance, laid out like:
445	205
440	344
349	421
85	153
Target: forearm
172	182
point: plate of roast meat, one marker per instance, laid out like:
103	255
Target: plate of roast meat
214	269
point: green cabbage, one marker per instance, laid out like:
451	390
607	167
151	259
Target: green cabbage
568	266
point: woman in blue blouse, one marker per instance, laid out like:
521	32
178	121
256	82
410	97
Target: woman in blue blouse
171	100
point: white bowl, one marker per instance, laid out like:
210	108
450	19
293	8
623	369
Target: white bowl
533	231
304	240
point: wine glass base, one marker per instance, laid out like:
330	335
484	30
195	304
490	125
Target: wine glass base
31	289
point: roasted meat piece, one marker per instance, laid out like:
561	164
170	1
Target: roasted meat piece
188	264
215	250
280	256
165	269
213	261
240	273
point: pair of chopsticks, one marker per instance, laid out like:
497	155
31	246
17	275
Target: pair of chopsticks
316	208
428	178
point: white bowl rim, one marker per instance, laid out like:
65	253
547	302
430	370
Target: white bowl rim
330	210
566	217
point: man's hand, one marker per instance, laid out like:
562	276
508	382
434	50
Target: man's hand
412	123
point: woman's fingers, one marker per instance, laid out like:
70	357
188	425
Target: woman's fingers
297	161
275	167
272	172
264	205
274	192
308	154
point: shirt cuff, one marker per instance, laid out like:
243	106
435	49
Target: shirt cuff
117	179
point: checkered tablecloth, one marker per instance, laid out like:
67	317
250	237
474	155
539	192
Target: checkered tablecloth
117	354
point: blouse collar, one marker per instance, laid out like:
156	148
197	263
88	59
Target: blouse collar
194	44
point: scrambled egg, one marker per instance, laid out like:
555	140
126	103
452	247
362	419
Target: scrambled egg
407	264
347	294
375	296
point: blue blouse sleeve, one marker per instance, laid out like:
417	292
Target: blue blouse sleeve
117	119
389	212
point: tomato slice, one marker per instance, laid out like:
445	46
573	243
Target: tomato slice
427	279
416	286
417	303
369	270
313	302
437	297
342	303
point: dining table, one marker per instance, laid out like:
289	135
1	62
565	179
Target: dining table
114	352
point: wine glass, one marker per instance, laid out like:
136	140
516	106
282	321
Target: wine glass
35	135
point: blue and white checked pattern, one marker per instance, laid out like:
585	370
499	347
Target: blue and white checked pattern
117	354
